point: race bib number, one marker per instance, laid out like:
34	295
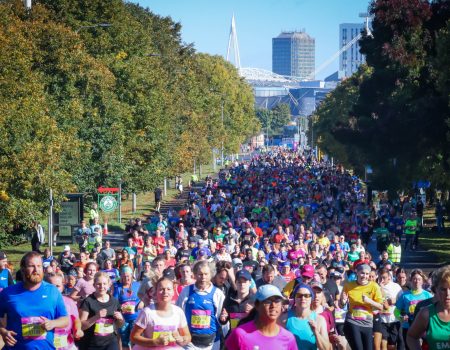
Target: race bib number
129	307
161	331
104	327
235	318
32	328
61	340
360	313
201	319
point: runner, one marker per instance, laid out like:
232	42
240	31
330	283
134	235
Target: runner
363	297
161	325
408	300
125	292
202	303
434	320
30	325
6	279
308	327
100	317
65	337
260	329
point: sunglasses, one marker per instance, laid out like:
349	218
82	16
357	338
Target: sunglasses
305	296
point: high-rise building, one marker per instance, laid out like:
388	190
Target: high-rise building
350	59
293	54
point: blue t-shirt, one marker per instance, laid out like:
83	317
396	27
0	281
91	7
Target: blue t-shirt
407	304
24	309
128	300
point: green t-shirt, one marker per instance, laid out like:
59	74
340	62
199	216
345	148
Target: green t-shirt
353	256
438	334
411	226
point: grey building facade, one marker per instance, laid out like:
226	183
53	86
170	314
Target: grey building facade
293	54
350	59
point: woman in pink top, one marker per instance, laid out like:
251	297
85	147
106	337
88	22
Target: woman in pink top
85	285
260	328
65	337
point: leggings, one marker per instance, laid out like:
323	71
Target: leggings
359	338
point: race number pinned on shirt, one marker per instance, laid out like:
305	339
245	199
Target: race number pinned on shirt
129	307
235	317
104	327
201	319
164	330
33	328
361	313
61	340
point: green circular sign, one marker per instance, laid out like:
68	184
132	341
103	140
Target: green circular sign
108	204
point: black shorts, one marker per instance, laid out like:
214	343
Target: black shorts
376	324
390	332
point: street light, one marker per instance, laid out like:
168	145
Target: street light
98	25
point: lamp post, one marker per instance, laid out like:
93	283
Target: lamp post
98	25
222	160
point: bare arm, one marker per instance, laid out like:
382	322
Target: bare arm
418	327
320	331
138	338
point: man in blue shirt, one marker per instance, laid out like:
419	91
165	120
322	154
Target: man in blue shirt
33	308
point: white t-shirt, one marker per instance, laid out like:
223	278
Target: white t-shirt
155	324
392	291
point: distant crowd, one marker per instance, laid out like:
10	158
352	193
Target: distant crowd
271	254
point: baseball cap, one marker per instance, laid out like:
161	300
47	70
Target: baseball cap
267	291
315	284
67	248
2	256
244	274
308	271
236	261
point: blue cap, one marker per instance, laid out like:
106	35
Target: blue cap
267	291
244	274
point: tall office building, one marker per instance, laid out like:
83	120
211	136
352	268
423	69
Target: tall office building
350	59
293	54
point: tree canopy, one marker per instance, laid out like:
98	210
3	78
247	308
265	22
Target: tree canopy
394	112
85	105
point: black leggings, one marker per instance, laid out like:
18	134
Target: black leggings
359	338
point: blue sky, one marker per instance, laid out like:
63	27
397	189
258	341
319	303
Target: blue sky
206	24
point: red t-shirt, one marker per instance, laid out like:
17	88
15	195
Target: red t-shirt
159	243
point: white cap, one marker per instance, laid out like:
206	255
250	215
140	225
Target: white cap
67	248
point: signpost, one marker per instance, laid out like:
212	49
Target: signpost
68	219
109	199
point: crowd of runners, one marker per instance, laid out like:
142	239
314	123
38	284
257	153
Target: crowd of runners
273	254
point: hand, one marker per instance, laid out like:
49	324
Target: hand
163	340
47	324
223	315
248	307
78	334
344	298
405	318
118	316
313	325
102	313
178	338
8	337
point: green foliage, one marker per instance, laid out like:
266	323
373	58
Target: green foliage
274	120
393	115
84	105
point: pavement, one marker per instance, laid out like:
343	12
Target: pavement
411	259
